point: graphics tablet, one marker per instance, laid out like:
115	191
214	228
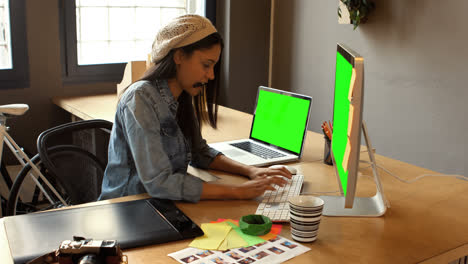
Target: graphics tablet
132	224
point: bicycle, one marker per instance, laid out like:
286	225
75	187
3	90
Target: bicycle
31	167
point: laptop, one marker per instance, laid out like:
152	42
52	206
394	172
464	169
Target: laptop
278	130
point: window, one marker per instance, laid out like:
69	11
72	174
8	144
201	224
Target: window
5	39
13	52
100	36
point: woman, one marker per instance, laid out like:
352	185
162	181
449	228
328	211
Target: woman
156	131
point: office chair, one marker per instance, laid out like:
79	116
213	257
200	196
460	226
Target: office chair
73	156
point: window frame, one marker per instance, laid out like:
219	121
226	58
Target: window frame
18	76
72	73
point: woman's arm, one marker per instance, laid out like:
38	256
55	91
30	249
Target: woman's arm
206	157
223	163
247	190
226	164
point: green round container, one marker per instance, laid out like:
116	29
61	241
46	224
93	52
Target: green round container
255	225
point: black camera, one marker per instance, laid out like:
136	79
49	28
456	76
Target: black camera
89	251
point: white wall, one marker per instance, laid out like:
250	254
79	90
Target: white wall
416	73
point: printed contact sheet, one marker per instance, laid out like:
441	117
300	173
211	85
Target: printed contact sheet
275	250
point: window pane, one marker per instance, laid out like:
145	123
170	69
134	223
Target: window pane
5	38
146	26
121	51
142	48
93	24
121	23
93	52
196	6
158	3
3	23
91	3
5	58
168	14
122	3
127	27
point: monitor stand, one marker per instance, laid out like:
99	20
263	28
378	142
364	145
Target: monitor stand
363	206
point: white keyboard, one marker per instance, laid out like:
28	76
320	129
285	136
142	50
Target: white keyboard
275	204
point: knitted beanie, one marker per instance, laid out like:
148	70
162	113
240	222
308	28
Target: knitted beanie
182	31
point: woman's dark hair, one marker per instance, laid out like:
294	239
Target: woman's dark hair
204	104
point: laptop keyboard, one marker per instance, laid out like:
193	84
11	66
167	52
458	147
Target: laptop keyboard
258	150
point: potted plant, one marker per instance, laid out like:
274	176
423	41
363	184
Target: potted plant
358	10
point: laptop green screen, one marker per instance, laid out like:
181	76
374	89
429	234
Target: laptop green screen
281	120
341	115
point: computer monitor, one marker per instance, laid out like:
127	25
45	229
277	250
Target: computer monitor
346	139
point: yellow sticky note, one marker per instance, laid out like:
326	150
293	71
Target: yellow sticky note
215	233
233	240
251	240
275	229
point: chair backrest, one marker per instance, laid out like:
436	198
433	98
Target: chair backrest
75	155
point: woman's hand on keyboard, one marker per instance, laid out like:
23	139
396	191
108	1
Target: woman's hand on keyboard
256	173
257	187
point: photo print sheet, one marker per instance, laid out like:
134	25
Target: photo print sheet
275	250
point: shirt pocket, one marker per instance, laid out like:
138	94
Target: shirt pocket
169	128
173	142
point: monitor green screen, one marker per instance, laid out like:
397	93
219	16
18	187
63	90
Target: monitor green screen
281	120
341	116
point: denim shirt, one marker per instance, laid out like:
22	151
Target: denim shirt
147	149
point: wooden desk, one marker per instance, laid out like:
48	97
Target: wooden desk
427	223
89	107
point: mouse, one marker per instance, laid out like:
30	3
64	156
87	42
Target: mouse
290	169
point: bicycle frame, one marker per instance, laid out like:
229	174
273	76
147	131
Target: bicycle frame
24	159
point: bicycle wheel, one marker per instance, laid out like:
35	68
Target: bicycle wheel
38	201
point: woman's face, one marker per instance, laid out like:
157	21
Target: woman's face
196	69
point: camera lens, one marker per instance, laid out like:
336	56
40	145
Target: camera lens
89	259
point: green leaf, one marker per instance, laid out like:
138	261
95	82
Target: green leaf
358	10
